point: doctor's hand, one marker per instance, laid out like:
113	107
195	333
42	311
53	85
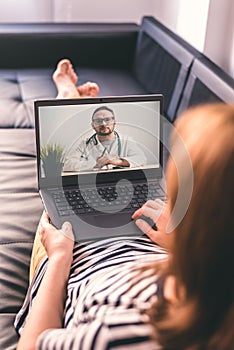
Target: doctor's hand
158	212
57	243
112	159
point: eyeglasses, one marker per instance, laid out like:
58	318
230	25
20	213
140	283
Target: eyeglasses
107	120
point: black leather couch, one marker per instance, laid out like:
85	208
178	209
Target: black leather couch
123	59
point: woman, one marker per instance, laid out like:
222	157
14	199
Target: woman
199	311
127	293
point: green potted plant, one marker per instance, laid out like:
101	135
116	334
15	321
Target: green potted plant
52	156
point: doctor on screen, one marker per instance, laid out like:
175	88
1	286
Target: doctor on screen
106	148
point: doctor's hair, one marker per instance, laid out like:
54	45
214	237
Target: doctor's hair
103	108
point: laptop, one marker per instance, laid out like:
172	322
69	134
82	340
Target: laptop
93	181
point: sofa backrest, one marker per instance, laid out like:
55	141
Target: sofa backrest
206	83
39	45
162	62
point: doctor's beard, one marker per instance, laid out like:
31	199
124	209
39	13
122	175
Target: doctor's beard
104	133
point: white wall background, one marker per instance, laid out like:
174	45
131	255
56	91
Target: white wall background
25	11
206	24
219	40
101	10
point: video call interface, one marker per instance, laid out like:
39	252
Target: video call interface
98	137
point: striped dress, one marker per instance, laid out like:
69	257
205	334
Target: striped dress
107	297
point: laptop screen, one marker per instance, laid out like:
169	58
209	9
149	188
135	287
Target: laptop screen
106	136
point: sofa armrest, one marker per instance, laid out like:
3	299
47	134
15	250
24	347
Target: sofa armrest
162	62
206	83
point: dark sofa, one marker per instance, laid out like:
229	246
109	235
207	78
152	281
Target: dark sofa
123	59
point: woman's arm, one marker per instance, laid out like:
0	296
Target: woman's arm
48	307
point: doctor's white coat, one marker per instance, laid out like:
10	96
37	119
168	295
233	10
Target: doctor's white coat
84	156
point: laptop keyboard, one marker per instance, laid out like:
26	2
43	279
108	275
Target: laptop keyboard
105	199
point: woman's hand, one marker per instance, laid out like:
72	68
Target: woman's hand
112	159
57	243
158	212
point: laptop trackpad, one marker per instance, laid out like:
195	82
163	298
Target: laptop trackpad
118	224
109	221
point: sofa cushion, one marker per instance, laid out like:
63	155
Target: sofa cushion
9	337
18	186
19	88
21	209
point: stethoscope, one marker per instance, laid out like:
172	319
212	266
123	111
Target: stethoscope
93	139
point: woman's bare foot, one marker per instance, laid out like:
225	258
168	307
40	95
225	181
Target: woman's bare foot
88	89
65	79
